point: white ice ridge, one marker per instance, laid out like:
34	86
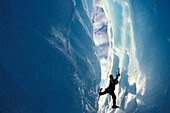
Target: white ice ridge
122	51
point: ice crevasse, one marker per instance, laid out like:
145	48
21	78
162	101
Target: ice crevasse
49	62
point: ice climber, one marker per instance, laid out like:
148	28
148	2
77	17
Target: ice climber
111	89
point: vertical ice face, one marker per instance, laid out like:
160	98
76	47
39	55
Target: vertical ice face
152	45
48	60
139	45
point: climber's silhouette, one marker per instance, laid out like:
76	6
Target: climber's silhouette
111	89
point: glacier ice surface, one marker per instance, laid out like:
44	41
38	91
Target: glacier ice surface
48	60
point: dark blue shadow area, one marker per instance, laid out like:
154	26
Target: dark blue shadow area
36	76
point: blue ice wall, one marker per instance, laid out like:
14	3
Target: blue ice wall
151	27
48	61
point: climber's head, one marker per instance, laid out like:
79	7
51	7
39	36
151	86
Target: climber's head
111	76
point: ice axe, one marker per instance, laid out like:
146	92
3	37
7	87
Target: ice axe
118	74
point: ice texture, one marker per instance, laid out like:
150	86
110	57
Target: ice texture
48	60
139	45
49	63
